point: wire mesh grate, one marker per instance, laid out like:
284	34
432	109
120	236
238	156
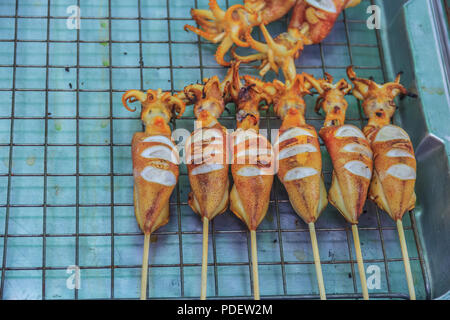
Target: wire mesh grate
65	164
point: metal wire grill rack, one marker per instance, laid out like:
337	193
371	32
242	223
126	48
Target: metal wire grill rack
93	225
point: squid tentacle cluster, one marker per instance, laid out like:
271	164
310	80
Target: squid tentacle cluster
351	157
253	162
311	22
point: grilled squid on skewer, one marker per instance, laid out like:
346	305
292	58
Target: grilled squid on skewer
394	177
229	27
155	163
297	148
348	147
206	158
351	157
206	150
299	158
252	163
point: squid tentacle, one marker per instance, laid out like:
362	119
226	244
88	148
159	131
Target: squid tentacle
236	27
133	96
202	14
216	10
258	46
223	48
208	36
249	58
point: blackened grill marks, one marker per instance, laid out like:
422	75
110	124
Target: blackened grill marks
262	164
361	198
298	184
242	118
244	94
287	143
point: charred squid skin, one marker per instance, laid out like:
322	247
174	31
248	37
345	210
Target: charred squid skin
300	171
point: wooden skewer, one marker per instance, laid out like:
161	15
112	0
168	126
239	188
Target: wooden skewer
204	258
315	247
359	259
254	265
409	278
144	272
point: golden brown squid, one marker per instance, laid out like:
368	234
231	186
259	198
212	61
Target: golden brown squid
230	26
155	163
315	18
206	158
206	151
311	22
351	157
299	158
252	162
394	177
